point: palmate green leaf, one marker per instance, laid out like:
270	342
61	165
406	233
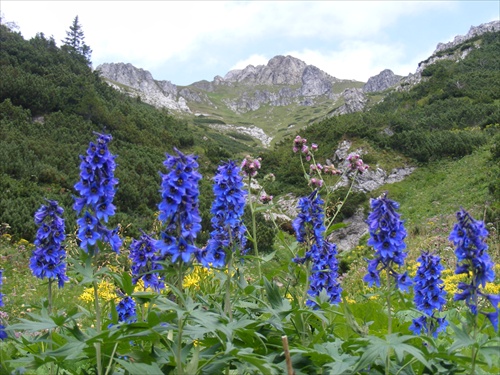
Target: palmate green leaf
124	281
70	351
273	294
378	348
261	363
491	355
462	339
140	368
32	326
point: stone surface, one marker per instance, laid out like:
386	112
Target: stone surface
382	81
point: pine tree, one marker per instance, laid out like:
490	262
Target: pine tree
75	41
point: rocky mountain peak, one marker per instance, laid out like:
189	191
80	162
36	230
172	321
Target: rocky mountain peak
382	81
280	70
140	83
474	31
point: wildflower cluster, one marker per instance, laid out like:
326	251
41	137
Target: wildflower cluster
300	144
355	163
387	234
473	260
97	190
145	262
48	258
179	207
227	210
3	334
126	310
309	229
429	295
250	166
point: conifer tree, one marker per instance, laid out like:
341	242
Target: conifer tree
75	40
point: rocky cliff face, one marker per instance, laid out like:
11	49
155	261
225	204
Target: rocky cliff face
286	72
440	52
140	83
282	75
474	31
382	81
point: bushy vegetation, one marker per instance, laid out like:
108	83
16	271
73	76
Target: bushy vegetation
50	103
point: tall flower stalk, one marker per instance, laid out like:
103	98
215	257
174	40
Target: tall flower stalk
97	190
429	295
228	236
309	230
473	260
250	167
387	234
48	258
179	211
180	216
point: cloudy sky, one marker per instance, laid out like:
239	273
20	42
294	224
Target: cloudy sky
187	41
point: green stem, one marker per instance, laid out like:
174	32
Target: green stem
49	297
97	307
474	336
178	352
111	359
227	304
389	320
49	311
330	222
254	229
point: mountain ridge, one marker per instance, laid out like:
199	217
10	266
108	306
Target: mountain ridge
254	95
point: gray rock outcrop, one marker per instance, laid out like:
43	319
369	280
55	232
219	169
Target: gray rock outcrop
354	101
140	83
474	31
382	81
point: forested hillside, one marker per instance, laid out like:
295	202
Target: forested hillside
51	102
453	111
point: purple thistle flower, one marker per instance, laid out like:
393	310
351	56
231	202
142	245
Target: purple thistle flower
145	266
387	234
179	207
97	190
309	229
473	260
47	260
429	295
227	210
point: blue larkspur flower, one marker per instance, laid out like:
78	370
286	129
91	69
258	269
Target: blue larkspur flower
473	260
179	210
309	229
387	234
429	295
96	188
48	258
227	211
145	262
126	310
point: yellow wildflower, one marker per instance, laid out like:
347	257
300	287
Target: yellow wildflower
105	291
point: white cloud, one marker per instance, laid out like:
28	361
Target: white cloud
254	60
357	60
